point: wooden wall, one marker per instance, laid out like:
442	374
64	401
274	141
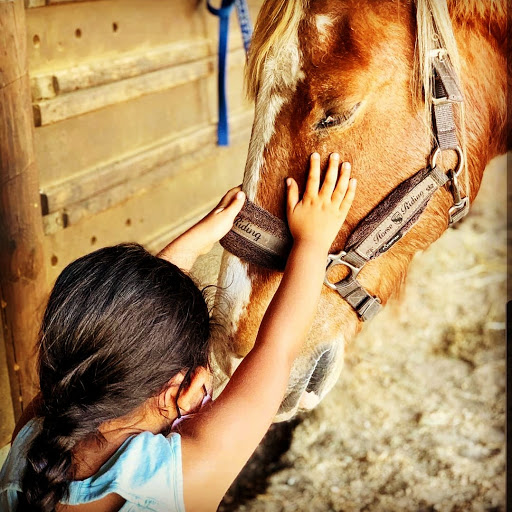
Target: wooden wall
125	106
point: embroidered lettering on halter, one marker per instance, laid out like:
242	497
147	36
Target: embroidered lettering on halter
259	237
248	228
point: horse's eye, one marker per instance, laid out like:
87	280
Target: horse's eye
328	122
337	119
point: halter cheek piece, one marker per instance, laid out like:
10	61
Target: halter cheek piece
261	238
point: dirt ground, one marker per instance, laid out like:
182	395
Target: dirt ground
417	420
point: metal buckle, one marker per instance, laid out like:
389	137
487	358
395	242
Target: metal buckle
439	54
445	73
460	206
459	210
337	259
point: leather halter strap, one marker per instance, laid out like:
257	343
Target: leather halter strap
261	238
446	93
377	232
387	223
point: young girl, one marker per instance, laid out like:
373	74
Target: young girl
124	353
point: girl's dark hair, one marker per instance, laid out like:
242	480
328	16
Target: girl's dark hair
119	324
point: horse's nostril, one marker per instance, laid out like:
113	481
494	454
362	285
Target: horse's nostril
317	377
310	384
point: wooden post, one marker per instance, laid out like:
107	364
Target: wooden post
22	272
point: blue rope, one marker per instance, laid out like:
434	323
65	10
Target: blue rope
224	13
244	20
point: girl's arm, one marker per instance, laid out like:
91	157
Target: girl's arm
199	239
217	442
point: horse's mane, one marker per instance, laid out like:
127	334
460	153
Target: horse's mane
490	11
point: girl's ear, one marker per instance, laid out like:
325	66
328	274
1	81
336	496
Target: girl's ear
167	398
191	396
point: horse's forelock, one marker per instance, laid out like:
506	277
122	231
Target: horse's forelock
276	26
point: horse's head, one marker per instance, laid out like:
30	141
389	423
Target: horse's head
331	75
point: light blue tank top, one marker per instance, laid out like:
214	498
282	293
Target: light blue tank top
145	470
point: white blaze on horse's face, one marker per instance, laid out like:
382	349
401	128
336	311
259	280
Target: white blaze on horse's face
281	74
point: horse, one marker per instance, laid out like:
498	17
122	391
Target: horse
353	77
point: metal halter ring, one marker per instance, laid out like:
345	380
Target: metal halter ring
337	259
460	163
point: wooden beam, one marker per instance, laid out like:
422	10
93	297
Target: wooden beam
87	100
104	71
41	3
22	272
34	3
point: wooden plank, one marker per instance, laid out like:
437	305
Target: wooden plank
116	195
146	216
75	145
62	36
100	189
54	221
83	101
41	3
95	181
29	4
22	271
100	72
88	100
52	2
133	166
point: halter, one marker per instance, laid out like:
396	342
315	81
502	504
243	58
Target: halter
261	238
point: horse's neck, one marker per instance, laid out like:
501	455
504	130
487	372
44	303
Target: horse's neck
484	76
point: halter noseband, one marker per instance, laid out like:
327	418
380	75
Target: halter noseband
261	238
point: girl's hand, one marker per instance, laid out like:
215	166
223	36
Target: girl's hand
219	221
317	218
199	239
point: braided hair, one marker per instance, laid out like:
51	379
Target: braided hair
119	324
